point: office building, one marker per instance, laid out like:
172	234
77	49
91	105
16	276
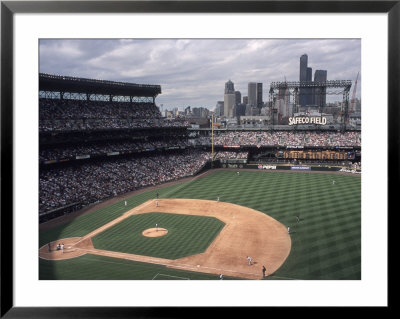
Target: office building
229	87
252	94
259	96
229	99
238	97
219	108
305	94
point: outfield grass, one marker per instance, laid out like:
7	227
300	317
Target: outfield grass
326	243
95	267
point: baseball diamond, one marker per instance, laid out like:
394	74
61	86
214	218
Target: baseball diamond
246	231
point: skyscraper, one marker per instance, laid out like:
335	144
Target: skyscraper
309	74
305	76
238	97
252	94
259	95
229	98
229	87
303	67
219	108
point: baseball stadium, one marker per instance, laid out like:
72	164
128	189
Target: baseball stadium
127	194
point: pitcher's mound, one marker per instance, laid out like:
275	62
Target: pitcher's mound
155	232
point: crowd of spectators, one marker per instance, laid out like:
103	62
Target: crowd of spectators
283	138
231	155
77	115
102	124
102	148
82	109
94	181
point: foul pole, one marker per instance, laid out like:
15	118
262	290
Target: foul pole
212	141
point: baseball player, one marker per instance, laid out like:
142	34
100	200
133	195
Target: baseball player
221	277
126	203
333	182
250	260
156	203
263	271
288	229
156	227
62	247
298	217
218	199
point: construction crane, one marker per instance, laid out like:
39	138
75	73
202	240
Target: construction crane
353	98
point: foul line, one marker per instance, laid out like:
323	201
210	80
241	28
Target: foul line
185	266
283	277
170	276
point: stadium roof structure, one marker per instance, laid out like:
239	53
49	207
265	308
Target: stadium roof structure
345	84
59	83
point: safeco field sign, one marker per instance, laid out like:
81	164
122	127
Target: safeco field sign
307	120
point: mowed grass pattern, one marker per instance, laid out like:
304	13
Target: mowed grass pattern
187	235
326	243
100	267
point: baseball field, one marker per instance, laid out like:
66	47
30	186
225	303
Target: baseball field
209	224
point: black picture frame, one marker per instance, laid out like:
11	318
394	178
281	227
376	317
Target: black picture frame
9	8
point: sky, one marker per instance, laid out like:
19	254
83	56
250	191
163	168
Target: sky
193	72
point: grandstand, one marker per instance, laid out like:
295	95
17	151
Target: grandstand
100	139
92	133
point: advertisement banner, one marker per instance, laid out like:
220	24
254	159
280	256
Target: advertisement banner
301	168
295	146
266	166
354	171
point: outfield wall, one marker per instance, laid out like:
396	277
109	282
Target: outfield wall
298	168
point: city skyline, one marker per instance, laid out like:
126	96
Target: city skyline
193	72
